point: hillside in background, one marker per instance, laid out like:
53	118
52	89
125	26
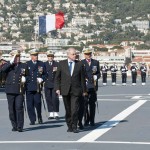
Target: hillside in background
110	32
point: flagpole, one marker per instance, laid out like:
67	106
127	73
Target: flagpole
36	30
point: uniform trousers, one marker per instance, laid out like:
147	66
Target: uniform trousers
124	77
82	109
113	76
90	110
16	112
33	101
104	77
71	103
134	76
52	100
143	77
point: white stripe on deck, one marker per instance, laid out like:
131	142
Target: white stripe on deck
93	135
136	97
75	142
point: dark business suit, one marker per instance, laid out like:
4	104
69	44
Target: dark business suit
14	92
71	88
33	89
50	94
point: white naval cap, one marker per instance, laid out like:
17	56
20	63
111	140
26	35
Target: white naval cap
33	51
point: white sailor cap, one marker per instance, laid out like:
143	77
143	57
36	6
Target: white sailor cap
50	53
86	51
33	51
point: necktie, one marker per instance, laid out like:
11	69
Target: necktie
34	62
50	63
70	67
89	61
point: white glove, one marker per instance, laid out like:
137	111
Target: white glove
12	60
39	80
23	79
95	77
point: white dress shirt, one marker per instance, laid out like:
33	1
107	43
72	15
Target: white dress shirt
73	64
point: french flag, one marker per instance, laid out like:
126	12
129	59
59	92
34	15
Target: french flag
51	22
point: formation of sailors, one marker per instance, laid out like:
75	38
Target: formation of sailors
123	69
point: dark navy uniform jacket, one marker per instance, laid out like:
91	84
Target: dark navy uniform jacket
143	69
123	69
13	77
89	73
104	69
34	71
113	69
134	69
50	73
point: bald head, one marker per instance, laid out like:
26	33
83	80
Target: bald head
71	53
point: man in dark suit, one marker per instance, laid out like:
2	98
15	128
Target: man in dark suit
70	83
35	78
92	70
51	96
14	88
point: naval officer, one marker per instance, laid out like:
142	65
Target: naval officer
51	96
14	88
35	78
92	71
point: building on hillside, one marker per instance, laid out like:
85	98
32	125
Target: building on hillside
127	43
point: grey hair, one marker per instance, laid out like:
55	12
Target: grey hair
70	49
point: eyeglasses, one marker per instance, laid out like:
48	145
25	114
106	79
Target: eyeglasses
73	54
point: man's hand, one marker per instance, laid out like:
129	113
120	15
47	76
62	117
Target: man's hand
23	79
95	77
39	80
13	59
85	94
58	92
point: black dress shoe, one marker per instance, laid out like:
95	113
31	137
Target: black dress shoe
75	131
32	123
80	126
19	129
40	120
69	130
92	124
14	129
86	124
49	118
57	118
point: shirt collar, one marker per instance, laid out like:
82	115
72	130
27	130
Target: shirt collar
70	61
